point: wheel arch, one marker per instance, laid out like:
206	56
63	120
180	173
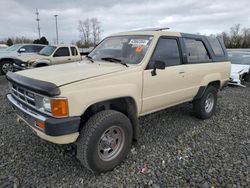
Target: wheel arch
41	64
202	89
125	105
7	59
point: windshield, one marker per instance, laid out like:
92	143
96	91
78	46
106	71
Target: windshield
14	47
239	58
47	51
128	49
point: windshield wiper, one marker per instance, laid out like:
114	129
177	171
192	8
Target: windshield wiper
90	58
112	59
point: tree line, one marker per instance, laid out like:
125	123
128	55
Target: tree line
24	40
236	37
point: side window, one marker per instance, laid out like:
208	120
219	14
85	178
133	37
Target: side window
167	51
196	51
74	51
216	46
37	48
28	48
61	52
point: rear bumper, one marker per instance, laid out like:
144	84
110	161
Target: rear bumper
60	131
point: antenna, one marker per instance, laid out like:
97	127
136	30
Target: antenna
38	25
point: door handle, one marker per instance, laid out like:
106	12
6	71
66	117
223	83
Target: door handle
181	72
69	59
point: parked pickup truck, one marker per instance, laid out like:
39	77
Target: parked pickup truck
96	103
15	52
50	55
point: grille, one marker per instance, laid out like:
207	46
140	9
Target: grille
23	95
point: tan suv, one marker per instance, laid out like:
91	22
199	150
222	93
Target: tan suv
96	103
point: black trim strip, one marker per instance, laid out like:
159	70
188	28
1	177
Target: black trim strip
200	93
37	86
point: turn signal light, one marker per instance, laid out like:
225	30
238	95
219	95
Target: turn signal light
40	124
59	107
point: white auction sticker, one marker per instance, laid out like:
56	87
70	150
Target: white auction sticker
138	42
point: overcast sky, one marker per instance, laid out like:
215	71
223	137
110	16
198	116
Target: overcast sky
17	17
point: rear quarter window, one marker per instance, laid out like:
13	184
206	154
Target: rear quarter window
74	51
216	46
196	51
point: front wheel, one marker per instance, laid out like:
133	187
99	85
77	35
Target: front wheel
105	141
204	107
6	67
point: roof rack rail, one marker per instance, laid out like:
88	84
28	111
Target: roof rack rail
154	29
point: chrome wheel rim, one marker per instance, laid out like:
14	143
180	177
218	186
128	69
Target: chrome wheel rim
209	103
111	143
7	67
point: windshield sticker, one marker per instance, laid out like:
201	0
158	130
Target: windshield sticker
138	42
139	49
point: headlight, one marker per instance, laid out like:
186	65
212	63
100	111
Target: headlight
46	104
58	107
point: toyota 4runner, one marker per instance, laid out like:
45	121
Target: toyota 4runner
96	103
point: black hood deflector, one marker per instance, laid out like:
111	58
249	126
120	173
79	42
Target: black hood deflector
37	86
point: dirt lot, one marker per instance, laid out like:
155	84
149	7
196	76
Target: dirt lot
175	150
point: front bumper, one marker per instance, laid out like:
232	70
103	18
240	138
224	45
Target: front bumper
60	131
19	67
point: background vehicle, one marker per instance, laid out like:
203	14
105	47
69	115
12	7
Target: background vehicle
10	55
50	55
96	103
240	71
3	47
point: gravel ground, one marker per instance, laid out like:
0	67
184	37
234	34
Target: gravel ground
175	150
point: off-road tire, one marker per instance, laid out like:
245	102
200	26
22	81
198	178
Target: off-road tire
247	78
199	105
2	64
91	133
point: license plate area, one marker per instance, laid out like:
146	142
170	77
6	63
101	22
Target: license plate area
29	119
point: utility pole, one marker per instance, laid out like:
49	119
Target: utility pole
38	25
56	29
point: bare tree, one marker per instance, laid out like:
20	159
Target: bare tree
90	31
246	38
85	31
236	38
96	30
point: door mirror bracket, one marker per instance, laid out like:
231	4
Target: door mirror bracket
158	65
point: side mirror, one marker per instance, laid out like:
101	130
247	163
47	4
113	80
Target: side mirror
158	65
21	50
55	55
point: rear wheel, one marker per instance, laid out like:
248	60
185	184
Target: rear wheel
205	106
104	141
6	66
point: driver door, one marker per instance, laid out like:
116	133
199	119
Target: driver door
167	87
61	55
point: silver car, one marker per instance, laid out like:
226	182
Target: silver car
240	69
8	56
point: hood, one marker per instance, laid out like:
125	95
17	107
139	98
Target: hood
5	53
236	68
72	72
23	57
31	57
